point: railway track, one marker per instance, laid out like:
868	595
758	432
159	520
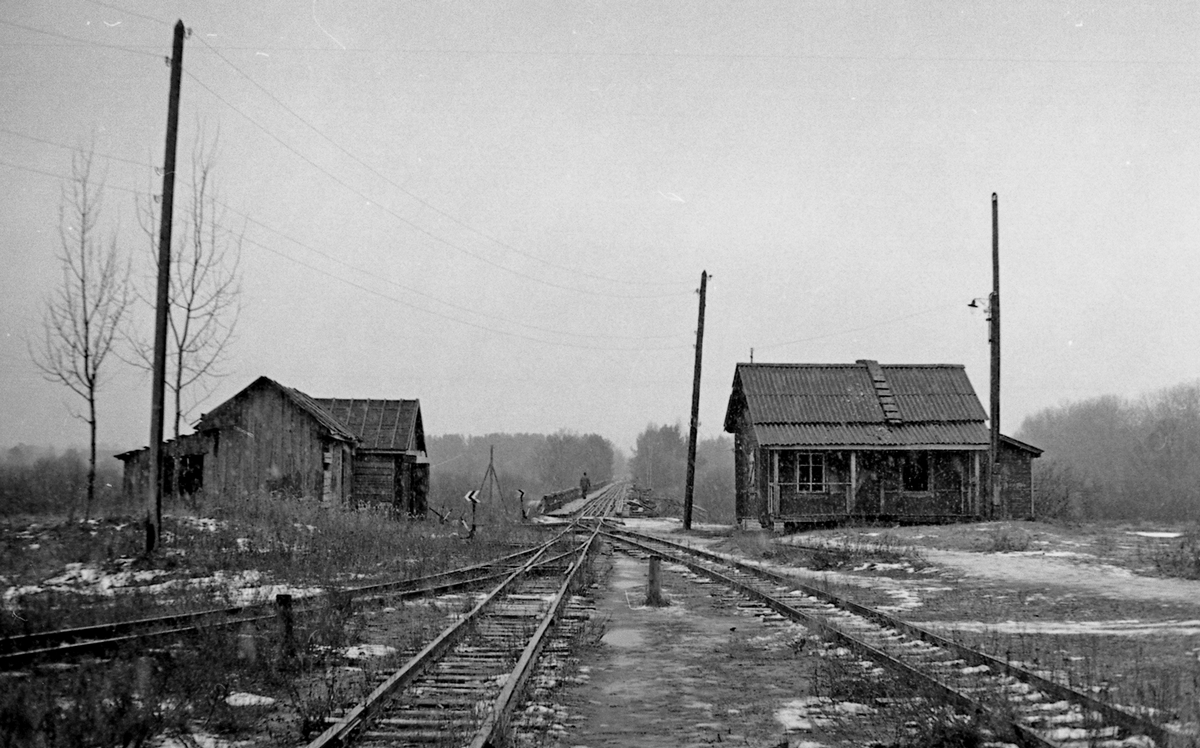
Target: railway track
102	639
463	687
1019	706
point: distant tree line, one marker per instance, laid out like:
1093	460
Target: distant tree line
1116	458
539	464
534	463
659	463
36	480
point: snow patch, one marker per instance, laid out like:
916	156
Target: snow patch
810	712
360	651
1130	627
248	699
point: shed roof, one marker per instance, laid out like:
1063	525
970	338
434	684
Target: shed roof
380	424
861	404
304	402
386	425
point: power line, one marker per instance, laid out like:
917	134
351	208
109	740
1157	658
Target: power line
132	13
84	42
401	286
61	177
455	319
431	297
873	325
674	54
421	200
414	226
109	157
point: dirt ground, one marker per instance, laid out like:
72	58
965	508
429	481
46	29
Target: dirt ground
709	670
1082	607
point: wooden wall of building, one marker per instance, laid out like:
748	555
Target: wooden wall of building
266	443
1016	482
374	479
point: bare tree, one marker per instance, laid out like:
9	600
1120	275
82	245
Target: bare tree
82	317
205	292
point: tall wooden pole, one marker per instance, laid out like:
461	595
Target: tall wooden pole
994	338
162	300
691	455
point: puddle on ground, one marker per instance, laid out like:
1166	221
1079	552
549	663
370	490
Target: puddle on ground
623	638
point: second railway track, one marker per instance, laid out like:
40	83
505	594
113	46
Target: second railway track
1019	706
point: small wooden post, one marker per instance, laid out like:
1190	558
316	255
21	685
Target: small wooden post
247	646
287	629
143	674
654	596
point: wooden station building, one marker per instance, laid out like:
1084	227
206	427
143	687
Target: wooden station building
817	443
270	438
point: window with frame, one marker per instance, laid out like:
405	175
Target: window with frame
805	471
915	471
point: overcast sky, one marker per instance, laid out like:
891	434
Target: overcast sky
503	209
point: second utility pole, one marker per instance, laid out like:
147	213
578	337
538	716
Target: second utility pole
688	490
994	330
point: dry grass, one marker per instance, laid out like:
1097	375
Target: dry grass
1178	558
821	555
294	543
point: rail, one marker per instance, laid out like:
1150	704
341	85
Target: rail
933	662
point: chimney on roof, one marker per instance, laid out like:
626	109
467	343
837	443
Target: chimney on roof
883	392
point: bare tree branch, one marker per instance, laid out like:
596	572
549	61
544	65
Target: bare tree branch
205	290
81	318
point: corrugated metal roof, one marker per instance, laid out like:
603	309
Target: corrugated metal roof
845	393
309	404
910	436
814	409
840	404
377	424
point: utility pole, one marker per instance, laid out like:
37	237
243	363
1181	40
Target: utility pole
162	300
691	455
994	339
490	477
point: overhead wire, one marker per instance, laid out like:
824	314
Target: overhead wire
410	194
409	289
476	325
422	200
416	227
881	323
429	296
82	42
673	54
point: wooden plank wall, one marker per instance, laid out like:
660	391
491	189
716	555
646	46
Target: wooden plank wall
374	479
1016	482
268	444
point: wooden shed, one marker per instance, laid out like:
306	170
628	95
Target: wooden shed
270	438
830	442
389	460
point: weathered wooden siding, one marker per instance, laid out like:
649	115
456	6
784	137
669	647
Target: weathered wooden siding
267	444
1016	482
374	479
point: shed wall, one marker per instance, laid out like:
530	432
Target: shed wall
1016	482
374	479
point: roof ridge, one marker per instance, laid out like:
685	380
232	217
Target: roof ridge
845	365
